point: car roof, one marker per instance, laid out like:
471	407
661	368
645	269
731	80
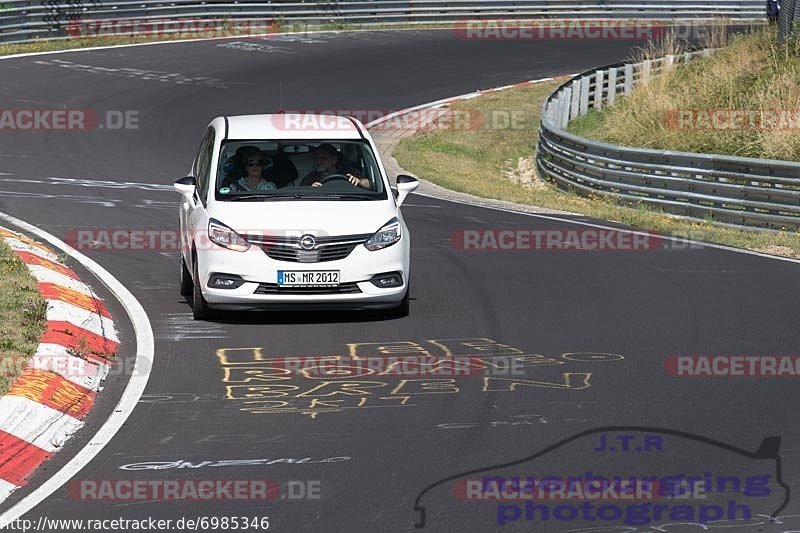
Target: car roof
278	126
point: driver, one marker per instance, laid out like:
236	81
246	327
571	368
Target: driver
328	162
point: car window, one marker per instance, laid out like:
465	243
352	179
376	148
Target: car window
203	163
317	169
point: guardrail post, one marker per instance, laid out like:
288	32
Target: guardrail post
612	85
550	110
598	89
585	87
628	79
574	104
669	60
565	116
646	67
562	113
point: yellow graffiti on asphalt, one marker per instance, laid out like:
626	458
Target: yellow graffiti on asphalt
271	384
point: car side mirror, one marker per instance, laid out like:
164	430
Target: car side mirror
405	186
186	187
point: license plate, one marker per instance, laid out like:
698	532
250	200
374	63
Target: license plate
305	278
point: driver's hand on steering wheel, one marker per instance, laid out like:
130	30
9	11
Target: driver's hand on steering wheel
358	182
354	180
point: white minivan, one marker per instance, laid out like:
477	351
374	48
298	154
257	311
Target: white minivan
289	211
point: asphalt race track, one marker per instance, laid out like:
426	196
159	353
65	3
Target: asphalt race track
596	327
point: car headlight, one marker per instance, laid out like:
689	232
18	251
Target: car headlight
386	236
222	235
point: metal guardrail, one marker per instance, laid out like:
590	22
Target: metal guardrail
727	189
22	20
789	17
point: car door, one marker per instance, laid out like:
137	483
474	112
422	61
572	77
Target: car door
193	217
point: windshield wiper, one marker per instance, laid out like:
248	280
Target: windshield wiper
349	197
267	197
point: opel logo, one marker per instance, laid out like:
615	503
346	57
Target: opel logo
308	242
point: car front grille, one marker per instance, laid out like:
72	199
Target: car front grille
342	288
325	249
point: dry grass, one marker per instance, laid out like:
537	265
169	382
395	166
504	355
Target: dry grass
22	316
474	160
753	75
496	163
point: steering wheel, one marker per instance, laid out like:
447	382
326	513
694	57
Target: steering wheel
335	177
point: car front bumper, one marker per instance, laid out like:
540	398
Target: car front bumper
257	269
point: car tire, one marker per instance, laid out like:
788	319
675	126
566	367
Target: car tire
187	286
403	309
200	309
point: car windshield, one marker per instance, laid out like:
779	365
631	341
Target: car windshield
288	170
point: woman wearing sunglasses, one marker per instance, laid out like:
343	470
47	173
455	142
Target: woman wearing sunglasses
253	180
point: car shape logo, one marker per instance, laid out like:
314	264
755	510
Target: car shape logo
507	495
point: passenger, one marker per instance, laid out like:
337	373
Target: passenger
328	162
234	167
254	179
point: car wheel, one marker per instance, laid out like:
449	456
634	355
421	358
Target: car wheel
200	310
403	309
186	280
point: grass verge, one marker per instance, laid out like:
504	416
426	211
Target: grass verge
742	101
22	316
498	163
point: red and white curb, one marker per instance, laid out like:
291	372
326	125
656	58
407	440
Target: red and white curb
48	401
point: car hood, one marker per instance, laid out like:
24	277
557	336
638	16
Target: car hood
317	217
